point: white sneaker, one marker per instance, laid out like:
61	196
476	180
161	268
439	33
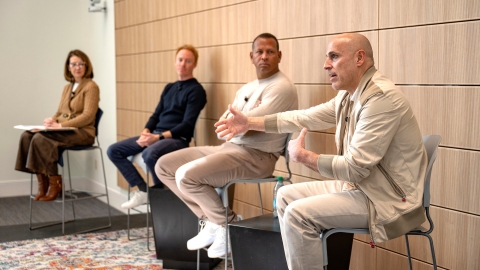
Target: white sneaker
138	198
217	249
205	237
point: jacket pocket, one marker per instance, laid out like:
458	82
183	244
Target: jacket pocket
398	190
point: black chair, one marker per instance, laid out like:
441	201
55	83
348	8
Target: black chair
70	193
431	143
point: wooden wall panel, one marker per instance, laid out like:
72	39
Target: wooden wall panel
429	48
311	53
152	67
145	11
225	64
390	260
312	95
363	256
139	96
453	239
456	109
455	180
231	25
246	210
131	123
417	55
218	98
206	131
414	12
310	17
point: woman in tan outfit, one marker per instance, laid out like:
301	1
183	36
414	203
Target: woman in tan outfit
38	152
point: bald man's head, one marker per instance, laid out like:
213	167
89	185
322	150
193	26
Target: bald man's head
355	42
349	56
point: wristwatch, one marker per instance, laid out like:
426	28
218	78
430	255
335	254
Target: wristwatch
161	137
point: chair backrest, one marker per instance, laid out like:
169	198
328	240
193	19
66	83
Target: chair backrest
287	156
98	116
431	143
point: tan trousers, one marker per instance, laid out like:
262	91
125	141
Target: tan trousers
194	173
305	209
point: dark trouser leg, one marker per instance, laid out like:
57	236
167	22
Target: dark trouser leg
22	154
118	153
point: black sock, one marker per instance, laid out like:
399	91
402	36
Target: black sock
142	187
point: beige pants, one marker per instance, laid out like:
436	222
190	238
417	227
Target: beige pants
194	173
305	209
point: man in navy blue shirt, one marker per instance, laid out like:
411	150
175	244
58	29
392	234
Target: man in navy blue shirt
169	128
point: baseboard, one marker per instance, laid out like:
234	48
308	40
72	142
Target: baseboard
14	188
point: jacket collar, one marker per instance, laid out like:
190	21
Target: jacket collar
360	93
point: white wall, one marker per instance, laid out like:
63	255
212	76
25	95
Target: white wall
35	38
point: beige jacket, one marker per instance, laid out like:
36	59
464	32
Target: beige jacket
379	151
79	111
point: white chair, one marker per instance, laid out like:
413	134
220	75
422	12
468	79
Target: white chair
138	159
431	143
72	197
223	192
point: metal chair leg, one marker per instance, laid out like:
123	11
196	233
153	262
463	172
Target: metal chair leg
226	236
432	249
147	216
260	197
408	252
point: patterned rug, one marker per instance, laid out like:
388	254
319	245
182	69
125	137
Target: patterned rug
108	250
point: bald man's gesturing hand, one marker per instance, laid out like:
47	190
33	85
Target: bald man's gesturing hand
297	147
298	153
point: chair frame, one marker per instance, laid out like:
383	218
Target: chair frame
431	143
223	193
71	191
138	159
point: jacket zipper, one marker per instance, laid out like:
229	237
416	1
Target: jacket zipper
372	242
394	185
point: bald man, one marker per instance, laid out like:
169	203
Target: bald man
380	163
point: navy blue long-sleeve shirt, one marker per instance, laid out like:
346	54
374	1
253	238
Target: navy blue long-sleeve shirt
178	109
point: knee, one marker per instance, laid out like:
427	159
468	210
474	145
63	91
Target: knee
26	136
289	214
185	178
112	152
150	157
159	170
282	201
163	168
36	140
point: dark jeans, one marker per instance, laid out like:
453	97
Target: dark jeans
119	151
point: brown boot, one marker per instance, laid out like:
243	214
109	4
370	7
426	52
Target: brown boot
42	186
54	189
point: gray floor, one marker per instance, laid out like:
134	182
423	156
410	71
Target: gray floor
14	218
15	210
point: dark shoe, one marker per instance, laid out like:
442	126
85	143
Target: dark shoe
42	186
54	189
